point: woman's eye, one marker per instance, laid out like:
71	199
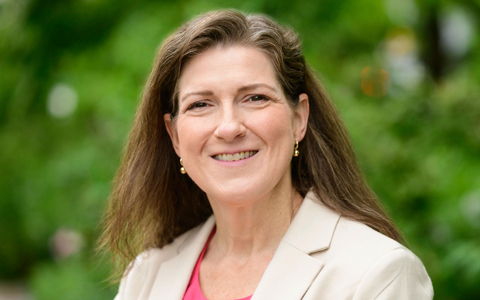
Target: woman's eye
197	105
258	98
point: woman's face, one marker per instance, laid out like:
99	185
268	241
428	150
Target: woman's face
235	130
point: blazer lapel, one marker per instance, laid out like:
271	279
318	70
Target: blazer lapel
292	269
289	274
174	275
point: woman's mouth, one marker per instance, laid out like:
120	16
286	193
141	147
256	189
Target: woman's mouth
235	156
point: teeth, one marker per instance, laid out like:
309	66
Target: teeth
234	157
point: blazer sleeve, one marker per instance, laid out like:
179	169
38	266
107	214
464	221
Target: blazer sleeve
398	275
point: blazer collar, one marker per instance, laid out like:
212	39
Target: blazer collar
292	269
313	226
289	274
174	275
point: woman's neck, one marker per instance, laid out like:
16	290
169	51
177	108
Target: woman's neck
254	227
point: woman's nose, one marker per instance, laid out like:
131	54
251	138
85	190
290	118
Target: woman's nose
230	125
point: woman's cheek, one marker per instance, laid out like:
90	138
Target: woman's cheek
273	122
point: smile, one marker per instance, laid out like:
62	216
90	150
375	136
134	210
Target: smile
234	157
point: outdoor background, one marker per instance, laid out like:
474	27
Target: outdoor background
405	75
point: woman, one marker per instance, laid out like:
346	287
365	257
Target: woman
234	123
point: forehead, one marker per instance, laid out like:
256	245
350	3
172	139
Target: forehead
227	67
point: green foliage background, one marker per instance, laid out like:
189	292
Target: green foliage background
418	145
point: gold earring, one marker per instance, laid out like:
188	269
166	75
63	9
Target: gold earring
296	152
182	169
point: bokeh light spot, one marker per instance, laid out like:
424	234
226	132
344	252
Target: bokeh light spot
402	58
65	242
470	206
457	32
375	81
62	101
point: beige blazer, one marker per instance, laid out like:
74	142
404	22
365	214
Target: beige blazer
322	256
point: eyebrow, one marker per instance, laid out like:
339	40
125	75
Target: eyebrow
241	89
254	86
200	93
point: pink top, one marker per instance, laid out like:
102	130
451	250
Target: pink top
194	292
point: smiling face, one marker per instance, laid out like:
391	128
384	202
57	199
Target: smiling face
235	130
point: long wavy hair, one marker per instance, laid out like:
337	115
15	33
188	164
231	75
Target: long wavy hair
152	203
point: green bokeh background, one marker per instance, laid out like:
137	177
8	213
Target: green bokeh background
72	72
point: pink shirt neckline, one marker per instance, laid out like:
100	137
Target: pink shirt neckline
194	292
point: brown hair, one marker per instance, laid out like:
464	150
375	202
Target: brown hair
152	203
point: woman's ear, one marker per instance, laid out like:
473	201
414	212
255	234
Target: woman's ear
172	132
301	117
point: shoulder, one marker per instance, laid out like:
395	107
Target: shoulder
355	244
140	274
357	239
397	274
373	265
